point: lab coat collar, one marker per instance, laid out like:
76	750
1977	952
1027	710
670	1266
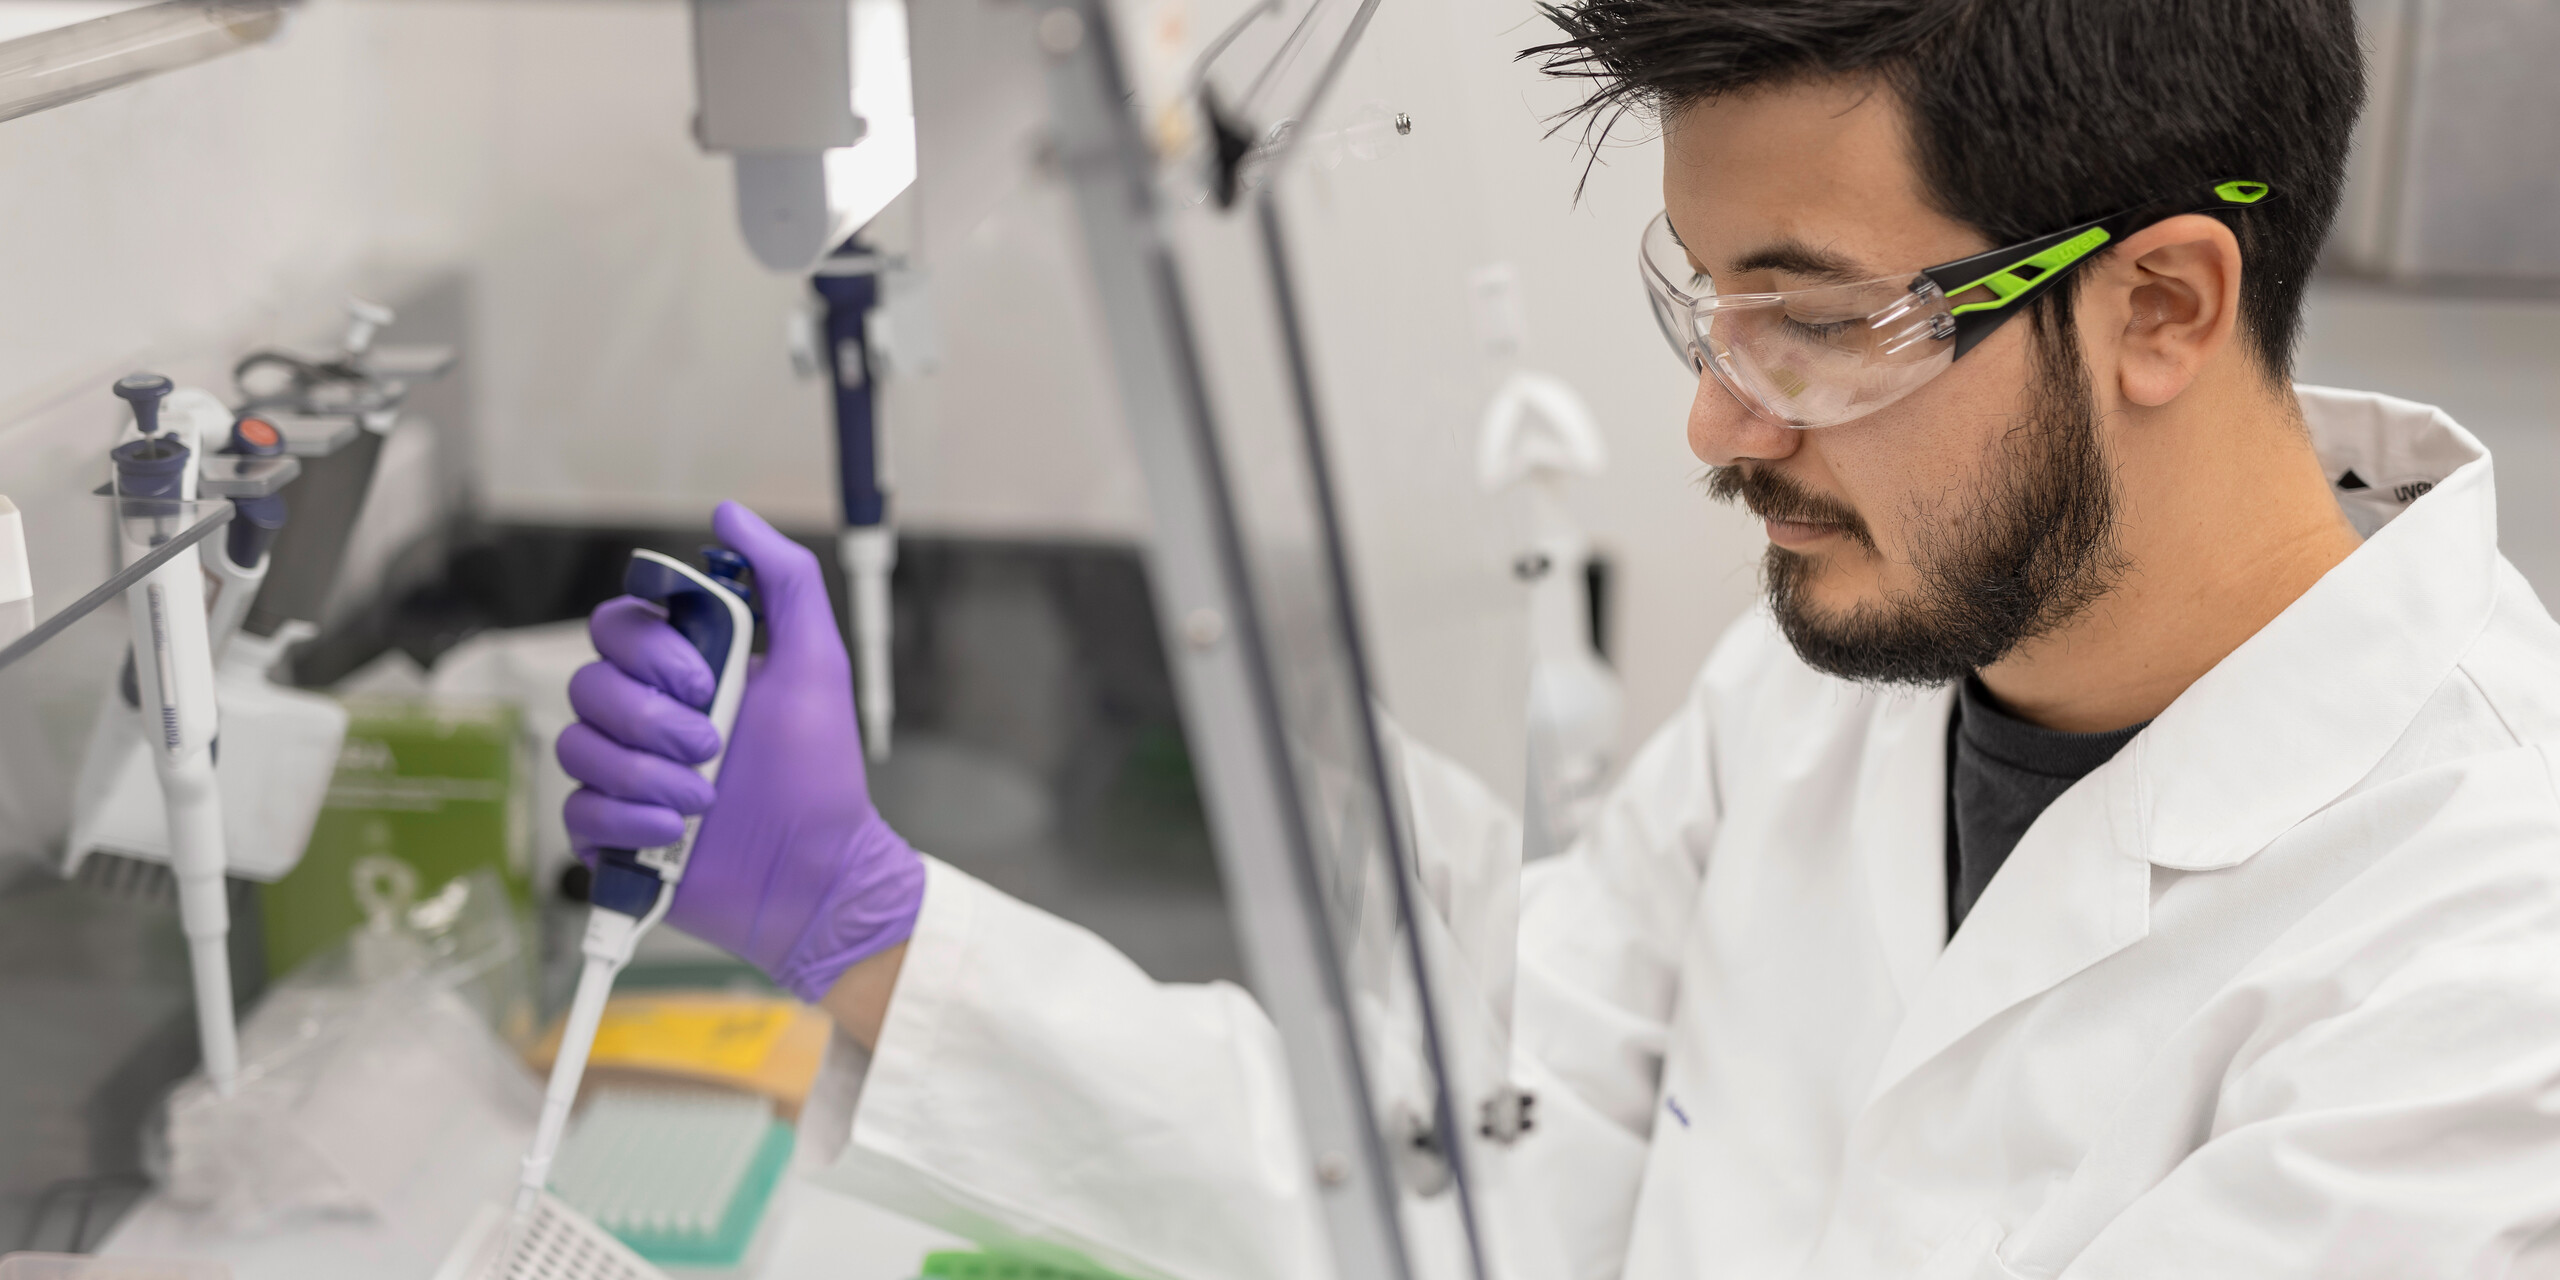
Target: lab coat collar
2281	727
2306	707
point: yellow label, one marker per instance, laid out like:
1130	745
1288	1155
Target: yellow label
718	1035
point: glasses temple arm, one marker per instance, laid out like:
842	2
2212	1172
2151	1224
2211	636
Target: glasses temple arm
2018	274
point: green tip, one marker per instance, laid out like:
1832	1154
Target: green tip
2242	192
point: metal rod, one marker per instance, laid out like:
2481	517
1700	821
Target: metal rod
1217	48
1197	568
214	518
1373	760
1351	33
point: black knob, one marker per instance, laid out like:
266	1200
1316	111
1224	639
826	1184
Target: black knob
144	391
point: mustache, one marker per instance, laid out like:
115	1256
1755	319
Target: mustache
1771	495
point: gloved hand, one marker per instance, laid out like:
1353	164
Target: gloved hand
794	870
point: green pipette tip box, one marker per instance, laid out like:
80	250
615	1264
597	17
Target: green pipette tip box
439	785
725	1245
997	1264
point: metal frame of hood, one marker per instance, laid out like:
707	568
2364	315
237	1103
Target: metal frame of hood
1220	650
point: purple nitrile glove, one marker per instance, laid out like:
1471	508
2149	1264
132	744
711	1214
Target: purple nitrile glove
794	870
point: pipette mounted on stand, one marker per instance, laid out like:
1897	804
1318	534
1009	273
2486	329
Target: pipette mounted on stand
283	742
157	478
251	471
849	283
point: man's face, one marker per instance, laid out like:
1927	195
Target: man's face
1929	538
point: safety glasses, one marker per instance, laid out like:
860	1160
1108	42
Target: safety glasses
1823	356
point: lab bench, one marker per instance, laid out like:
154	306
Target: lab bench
822	1235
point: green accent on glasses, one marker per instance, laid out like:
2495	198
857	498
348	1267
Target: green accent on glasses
2012	282
2023	271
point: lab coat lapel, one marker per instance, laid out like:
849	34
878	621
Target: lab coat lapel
2282	726
2075	891
1899	831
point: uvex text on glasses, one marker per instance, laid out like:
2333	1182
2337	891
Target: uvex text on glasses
1825	355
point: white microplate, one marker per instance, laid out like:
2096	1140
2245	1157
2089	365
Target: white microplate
558	1244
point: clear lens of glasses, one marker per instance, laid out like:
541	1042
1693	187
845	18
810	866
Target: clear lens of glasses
1801	357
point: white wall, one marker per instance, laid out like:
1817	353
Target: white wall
625	357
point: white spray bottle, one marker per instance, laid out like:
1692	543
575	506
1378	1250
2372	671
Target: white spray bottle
1537	432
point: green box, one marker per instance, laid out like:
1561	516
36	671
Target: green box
439	785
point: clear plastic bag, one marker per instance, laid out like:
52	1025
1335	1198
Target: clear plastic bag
362	1070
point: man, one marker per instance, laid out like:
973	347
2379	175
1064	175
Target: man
2125	846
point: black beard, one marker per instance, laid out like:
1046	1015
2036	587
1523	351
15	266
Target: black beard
2032	548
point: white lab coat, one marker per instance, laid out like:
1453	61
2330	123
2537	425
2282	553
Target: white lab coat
2275	992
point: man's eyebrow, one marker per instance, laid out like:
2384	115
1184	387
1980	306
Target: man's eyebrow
1797	258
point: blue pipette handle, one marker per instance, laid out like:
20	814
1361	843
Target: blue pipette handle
850	299
623	882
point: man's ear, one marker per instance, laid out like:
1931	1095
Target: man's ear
2181	301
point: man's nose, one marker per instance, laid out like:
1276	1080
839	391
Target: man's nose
1722	432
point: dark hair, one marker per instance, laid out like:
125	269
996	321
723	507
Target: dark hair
2027	116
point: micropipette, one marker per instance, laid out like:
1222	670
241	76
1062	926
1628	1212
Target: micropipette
632	888
156	477
849	282
241	564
